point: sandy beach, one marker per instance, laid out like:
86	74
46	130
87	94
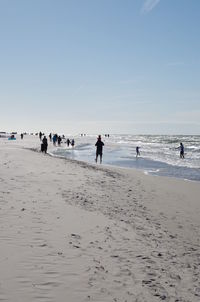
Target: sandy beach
71	231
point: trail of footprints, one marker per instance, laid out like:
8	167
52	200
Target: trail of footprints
162	261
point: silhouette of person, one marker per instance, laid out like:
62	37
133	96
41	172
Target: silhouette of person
72	142
182	155
40	135
44	145
68	142
59	140
55	138
99	151
137	151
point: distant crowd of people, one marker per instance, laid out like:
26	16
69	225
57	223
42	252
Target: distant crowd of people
56	139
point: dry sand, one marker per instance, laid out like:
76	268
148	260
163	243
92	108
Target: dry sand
71	231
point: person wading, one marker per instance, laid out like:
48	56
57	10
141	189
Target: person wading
99	151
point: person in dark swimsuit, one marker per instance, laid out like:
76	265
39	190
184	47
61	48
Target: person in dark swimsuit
137	151
182	155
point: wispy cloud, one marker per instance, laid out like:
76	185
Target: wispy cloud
149	5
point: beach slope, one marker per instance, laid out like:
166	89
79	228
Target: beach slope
71	231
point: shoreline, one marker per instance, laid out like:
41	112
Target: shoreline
145	172
84	151
121	157
115	234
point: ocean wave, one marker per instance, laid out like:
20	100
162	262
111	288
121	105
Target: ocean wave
157	152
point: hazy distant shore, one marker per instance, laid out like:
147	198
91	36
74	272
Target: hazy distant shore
93	233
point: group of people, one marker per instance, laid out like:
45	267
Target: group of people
57	139
181	148
99	145
44	145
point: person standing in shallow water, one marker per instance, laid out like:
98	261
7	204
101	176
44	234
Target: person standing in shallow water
40	135
55	138
182	155
137	151
59	140
99	151
68	142
73	142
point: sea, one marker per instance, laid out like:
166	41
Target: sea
159	154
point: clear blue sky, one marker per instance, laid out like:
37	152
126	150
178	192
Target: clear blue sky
100	66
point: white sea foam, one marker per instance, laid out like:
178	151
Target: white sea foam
158	153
